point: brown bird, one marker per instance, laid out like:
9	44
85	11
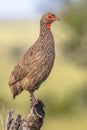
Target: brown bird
35	65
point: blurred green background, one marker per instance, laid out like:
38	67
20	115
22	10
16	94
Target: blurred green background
64	93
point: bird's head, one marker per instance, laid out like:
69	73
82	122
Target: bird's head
49	18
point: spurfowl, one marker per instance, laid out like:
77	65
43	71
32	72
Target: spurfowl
35	65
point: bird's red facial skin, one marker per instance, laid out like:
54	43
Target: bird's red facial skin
48	25
51	17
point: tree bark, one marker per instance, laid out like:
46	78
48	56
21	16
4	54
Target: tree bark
33	121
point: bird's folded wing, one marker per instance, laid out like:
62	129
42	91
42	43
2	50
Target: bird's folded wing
29	63
18	73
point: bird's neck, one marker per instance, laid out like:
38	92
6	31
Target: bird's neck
45	37
44	28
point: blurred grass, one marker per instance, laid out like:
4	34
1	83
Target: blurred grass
70	123
60	92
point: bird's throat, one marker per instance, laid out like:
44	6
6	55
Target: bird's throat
48	25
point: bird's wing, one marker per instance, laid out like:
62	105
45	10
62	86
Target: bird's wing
24	66
21	68
18	73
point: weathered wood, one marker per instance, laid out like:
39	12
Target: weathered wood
33	121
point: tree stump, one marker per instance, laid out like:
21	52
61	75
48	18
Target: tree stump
33	121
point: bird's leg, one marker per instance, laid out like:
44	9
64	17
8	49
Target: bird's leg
33	99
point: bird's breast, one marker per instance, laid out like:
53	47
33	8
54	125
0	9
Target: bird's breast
48	54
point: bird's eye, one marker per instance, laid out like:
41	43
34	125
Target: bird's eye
49	16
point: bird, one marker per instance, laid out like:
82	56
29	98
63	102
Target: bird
35	65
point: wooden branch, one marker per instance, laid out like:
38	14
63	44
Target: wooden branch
33	121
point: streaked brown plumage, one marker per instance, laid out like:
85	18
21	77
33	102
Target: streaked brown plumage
35	65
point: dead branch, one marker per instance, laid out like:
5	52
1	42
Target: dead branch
33	121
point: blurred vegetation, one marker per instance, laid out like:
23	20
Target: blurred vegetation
76	18
65	91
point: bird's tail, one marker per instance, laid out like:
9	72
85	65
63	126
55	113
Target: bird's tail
16	89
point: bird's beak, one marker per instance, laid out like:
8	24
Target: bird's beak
58	19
